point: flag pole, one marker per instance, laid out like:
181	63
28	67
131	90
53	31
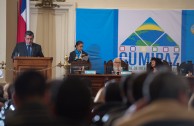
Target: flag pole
28	14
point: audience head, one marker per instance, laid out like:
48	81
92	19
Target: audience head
29	86
124	83
112	91
132	87
29	36
73	99
135	87
166	85
51	93
79	45
88	83
53	87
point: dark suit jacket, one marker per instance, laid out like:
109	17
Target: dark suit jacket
73	55
21	50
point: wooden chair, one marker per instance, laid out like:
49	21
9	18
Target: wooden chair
79	64
124	65
184	68
108	66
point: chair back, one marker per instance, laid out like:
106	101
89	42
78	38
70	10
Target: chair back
184	68
108	67
124	65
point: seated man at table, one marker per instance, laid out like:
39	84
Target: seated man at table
113	67
117	66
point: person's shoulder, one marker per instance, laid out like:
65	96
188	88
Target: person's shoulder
20	43
72	52
36	44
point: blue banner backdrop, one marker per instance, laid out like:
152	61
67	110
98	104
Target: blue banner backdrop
105	36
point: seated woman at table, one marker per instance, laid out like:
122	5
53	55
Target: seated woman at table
155	64
78	53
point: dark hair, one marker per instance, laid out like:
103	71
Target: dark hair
157	60
30	33
88	83
53	86
30	83
158	63
1	91
78	42
164	85
124	86
134	87
112	91
73	99
137	86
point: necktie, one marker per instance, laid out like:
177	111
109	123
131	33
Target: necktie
28	49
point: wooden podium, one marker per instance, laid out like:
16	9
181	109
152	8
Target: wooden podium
43	64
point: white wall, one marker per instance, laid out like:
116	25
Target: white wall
11	26
8	25
3	33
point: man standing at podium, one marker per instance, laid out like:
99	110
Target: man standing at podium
28	48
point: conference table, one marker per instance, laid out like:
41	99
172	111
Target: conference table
97	80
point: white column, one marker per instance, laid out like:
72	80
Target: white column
2	36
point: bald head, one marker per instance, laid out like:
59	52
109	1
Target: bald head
117	60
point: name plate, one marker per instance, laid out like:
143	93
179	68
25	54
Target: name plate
126	72
90	72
